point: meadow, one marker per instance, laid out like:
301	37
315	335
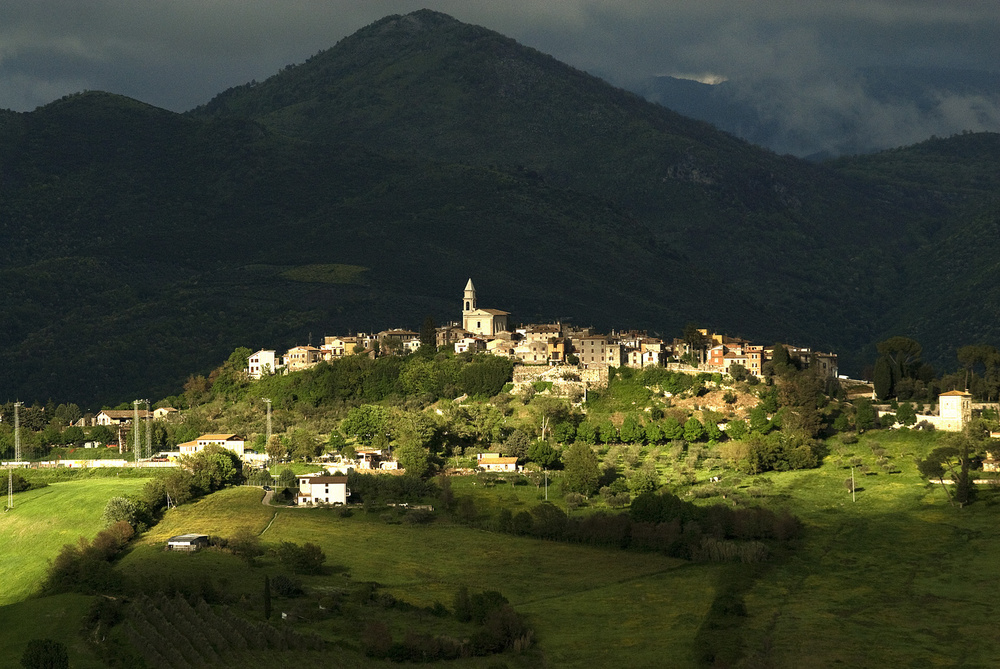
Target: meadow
896	578
45	519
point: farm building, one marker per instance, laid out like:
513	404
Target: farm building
187	542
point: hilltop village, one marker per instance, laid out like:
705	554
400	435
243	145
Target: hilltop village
483	330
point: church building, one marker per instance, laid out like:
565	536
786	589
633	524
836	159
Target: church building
484	322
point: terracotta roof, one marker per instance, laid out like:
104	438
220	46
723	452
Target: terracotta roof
217	437
957	393
496	312
123	413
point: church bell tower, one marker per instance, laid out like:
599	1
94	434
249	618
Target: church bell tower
469	301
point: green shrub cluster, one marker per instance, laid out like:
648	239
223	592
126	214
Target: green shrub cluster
86	566
655	522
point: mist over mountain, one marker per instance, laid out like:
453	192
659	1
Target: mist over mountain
360	189
861	111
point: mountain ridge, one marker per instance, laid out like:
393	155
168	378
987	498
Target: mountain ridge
152	243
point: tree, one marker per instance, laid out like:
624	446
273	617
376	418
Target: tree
737	429
759	424
632	431
517	444
214	467
304	444
245	544
953	459
306	559
738	372
543	454
906	415
365	422
654	434
587	432
693	430
486	376
428	337
882	378
335	442
549	410
276	449
582	471
287	478
267	598
781	361
903	354
120	508
45	654
672	429
864	415
695	341
413	458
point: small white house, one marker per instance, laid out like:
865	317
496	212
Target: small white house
262	363
322	488
229	441
494	462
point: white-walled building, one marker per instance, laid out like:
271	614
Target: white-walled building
322	489
486	322
262	363
228	441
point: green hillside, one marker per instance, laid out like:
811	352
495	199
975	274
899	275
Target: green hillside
43	520
140	246
892	577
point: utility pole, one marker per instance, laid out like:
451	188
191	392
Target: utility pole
10	488
149	432
135	431
854	494
17	432
267	440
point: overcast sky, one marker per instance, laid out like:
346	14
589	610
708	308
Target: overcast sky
179	53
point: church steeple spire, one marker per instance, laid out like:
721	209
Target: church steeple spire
469	301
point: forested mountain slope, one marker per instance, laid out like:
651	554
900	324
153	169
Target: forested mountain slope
360	190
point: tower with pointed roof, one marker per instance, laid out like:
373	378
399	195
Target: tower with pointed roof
469	301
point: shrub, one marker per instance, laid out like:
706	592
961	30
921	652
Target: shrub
283	586
45	654
306	559
245	544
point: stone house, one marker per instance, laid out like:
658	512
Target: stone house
302	357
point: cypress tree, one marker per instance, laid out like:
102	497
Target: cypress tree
267	598
882	378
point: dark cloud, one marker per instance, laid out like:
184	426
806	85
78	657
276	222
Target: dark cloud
795	61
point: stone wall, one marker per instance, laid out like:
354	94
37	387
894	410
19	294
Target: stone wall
577	383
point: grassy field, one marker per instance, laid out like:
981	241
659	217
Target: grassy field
57	618
896	578
45	519
588	606
566	590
